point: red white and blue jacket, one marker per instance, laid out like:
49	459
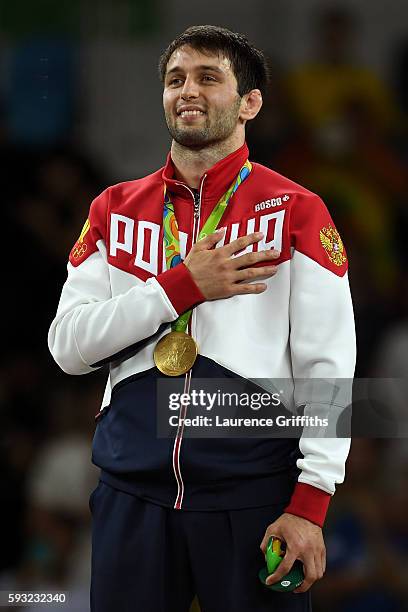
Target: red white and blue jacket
119	299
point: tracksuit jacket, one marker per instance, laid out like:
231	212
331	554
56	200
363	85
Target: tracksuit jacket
119	299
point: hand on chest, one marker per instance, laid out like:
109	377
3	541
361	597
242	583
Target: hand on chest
137	245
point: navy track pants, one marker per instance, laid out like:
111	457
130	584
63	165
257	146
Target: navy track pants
147	558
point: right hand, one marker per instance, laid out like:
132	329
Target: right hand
220	275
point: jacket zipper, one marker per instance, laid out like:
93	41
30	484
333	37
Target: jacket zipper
179	435
196	206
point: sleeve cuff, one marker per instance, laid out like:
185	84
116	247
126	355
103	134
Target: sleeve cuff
180	288
310	503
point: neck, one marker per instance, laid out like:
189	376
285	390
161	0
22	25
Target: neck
191	164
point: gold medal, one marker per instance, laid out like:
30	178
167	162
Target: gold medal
175	353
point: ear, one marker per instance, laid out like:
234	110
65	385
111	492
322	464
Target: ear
250	105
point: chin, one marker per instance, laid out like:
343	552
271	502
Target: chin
190	138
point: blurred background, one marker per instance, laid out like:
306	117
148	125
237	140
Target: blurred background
80	109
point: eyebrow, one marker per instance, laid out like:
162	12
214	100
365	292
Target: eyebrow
202	67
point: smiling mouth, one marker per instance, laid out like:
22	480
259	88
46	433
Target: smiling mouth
191	113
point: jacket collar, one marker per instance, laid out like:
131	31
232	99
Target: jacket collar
215	181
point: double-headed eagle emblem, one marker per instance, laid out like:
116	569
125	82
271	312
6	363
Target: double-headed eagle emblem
333	245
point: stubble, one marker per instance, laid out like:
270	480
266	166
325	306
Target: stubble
215	129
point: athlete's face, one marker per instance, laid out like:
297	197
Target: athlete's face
200	98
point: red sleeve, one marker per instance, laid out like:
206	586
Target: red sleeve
181	288
314	234
310	503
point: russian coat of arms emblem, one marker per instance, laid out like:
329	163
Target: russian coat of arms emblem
333	245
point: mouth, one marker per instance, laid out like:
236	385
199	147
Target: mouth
184	114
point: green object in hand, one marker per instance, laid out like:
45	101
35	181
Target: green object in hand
274	556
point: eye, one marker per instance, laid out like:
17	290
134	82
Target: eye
208	77
174	81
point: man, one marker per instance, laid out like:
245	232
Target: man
175	517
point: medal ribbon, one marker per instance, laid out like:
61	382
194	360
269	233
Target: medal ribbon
172	237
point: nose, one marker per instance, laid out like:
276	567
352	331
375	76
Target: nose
190	89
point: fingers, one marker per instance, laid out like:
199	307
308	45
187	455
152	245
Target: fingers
241	243
323	557
304	541
313	571
312	566
247	289
252	274
265	541
283	568
219	275
271	531
250	259
237	245
210	241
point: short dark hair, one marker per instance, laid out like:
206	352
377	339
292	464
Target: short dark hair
248	63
